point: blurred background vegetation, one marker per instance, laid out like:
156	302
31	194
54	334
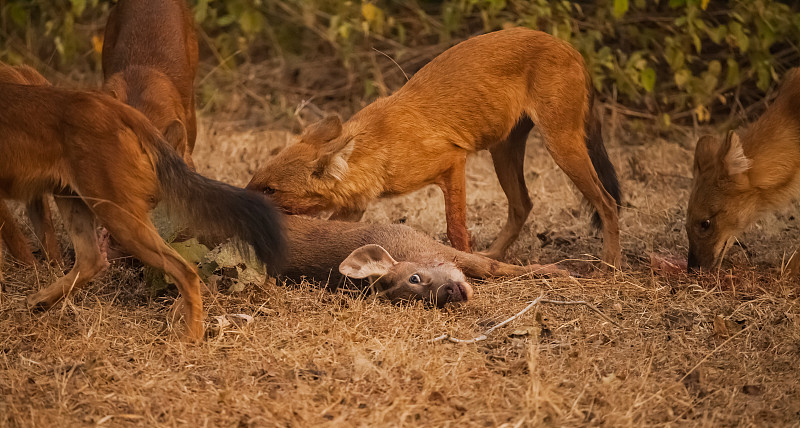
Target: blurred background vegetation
667	62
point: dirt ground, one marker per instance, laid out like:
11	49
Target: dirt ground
665	350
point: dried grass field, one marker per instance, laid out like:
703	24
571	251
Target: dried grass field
665	350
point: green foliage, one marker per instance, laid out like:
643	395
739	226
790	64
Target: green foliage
48	29
670	58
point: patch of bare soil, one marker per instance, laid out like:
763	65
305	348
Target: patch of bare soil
709	351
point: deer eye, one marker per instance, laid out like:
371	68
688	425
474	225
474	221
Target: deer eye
705	224
414	279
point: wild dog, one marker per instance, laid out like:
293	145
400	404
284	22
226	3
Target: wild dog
38	208
484	93
104	160
399	262
737	180
150	62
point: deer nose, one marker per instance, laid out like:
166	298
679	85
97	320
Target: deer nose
458	291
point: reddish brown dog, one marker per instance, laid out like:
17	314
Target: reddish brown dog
104	160
484	93
38	208
150	62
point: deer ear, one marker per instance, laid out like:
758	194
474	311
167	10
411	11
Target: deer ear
732	157
705	154
368	261
323	131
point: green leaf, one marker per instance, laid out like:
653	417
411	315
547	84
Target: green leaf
714	68
698	45
18	14
648	78
732	77
676	3
374	17
156	280
201	11
682	77
710	83
224	21
620	7
251	21
718	34
764	76
674	54
191	250
78	6
738	36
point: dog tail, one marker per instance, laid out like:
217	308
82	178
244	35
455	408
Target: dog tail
219	211
600	161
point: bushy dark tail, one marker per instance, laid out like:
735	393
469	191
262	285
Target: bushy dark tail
602	164
219	211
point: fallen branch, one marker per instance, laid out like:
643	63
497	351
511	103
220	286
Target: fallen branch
535	302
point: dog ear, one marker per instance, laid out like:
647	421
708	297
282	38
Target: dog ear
321	132
175	134
705	154
332	162
116	87
732	157
368	261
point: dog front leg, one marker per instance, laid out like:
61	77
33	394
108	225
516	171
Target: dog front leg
453	185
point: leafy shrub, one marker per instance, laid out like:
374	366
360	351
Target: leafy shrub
675	60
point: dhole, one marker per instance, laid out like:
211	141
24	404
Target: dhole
484	93
736	180
104	160
150	62
38	208
403	264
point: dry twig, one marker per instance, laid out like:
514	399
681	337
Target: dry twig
392	59
540	299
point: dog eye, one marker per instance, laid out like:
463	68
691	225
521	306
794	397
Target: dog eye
705	224
269	190
414	279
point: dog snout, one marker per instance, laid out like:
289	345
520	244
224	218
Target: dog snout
692	264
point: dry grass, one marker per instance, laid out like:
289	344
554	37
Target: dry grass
685	350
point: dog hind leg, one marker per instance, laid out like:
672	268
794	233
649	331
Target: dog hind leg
42	219
13	237
132	228
89	261
569	151
508	158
